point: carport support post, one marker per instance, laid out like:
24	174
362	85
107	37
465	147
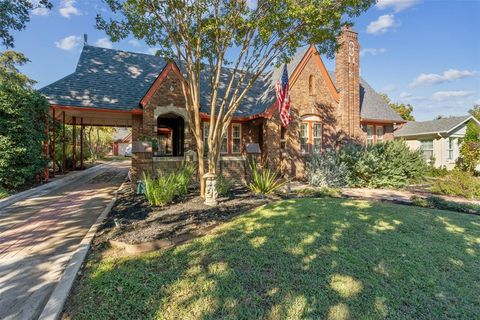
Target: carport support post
74	143
46	150
81	143
64	159
54	126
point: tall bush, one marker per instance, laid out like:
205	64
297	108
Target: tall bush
327	170
388	164
23	113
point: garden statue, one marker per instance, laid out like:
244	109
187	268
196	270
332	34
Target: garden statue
210	189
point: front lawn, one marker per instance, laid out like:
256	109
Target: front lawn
303	258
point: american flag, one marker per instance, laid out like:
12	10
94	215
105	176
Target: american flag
283	98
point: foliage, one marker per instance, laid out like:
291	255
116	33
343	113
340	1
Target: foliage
14	15
436	172
439	203
387	164
458	183
159	191
166	187
264	181
366	260
99	140
326	170
404	110
3	193
224	185
320	192
23	114
470	149
206	36
475	111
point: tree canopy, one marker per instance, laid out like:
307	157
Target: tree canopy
14	15
475	111
404	110
248	37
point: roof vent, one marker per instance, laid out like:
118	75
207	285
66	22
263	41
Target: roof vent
85	39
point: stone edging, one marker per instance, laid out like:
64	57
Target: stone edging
54	307
133	249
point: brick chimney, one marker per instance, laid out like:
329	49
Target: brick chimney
347	74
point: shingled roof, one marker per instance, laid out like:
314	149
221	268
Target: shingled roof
444	125
118	80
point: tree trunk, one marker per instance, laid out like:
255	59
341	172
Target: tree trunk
201	173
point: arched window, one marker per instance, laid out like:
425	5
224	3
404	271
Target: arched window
311	85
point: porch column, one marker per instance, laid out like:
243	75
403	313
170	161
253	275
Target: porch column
81	143
74	144
46	150
54	158
64	160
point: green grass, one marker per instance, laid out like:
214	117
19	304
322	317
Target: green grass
305	258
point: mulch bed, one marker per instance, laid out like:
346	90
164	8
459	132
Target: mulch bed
133	221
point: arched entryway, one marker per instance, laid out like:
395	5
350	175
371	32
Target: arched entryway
170	131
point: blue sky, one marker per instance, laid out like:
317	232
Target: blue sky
423	52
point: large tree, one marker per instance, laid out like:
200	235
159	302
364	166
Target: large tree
248	37
475	111
404	110
14	15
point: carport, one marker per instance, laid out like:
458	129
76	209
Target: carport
81	117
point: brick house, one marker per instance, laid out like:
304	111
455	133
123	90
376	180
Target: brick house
118	88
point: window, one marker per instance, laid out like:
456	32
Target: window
451	148
317	137
236	137
311	85
379	133
206	127
304	137
311	137
370	139
427	148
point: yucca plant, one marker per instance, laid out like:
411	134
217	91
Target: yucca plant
264	181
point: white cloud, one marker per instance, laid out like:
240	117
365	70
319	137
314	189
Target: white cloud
397	5
382	24
446	76
41	12
389	88
444	95
152	51
134	42
67	9
372	51
104	43
68	43
405	95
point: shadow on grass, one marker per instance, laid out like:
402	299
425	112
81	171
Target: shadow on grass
308	258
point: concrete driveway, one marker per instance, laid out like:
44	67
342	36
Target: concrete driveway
39	235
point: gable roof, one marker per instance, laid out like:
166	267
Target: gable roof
112	79
444	125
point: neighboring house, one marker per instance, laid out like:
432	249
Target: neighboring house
438	139
121	140
111	87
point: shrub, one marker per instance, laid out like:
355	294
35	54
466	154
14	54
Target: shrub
224	185
388	164
326	170
469	156
166	187
3	193
458	183
320	192
160	191
439	203
264	181
437	172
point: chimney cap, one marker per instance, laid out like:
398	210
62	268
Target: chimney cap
85	38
